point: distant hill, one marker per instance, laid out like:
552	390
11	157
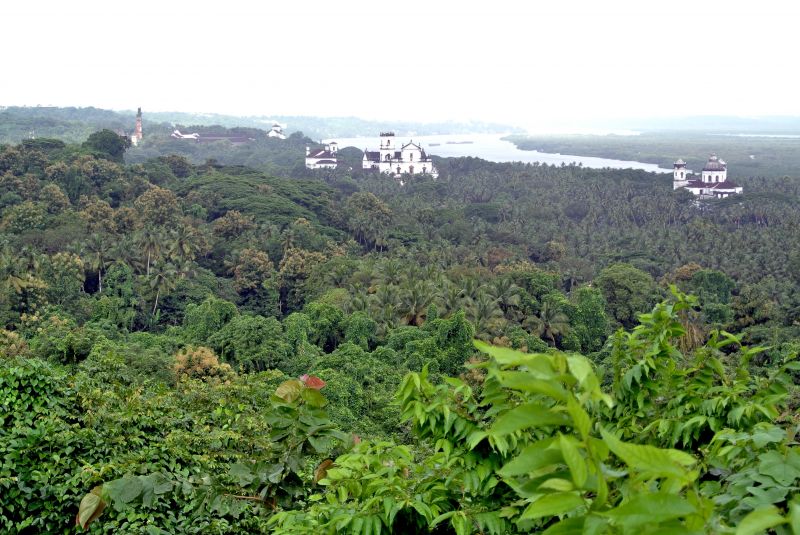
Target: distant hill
75	124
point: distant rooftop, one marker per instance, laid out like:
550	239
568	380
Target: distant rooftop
387	134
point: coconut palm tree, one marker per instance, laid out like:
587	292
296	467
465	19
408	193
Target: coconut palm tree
183	243
452	298
506	293
414	302
99	255
150	242
484	311
163	279
549	324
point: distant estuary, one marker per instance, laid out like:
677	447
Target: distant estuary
493	148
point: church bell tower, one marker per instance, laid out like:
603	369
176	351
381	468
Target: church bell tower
679	177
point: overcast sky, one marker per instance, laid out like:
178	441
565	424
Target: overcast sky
520	62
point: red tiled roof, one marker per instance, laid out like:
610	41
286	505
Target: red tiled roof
712	185
321	153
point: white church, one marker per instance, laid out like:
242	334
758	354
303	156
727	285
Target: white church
410	158
276	131
324	157
711	183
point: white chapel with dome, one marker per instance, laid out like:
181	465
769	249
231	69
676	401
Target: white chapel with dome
711	183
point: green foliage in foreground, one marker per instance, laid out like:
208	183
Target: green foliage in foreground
521	443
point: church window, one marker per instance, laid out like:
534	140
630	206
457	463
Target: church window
398	169
388	157
411	169
410	156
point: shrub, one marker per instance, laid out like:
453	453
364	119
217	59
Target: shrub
201	363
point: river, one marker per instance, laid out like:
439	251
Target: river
491	147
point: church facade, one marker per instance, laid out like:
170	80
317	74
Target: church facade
409	158
712	183
322	158
276	131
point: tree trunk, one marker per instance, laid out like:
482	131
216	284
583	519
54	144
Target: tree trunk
155	305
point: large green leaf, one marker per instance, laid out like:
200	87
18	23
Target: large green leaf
783	469
650	510
532	458
554	504
574	460
241	473
760	520
537	365
525	416
526	382
650	460
124	490
313	397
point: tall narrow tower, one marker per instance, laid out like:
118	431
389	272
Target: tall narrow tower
387	146
679	178
137	134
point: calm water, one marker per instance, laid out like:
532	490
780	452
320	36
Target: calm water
491	147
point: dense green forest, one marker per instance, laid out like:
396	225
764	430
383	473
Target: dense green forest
190	346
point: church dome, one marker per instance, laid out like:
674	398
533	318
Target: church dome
679	162
714	164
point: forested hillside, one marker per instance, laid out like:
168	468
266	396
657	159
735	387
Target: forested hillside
194	347
75	124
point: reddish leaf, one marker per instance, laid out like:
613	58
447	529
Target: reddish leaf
356	439
312	381
322	470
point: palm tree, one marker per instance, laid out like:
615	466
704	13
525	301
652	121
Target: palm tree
163	280
452	298
386	296
390	272
506	293
150	241
18	273
387	319
99	254
550	322
183	243
484	310
414	302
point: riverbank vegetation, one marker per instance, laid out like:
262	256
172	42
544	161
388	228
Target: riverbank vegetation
749	156
195	347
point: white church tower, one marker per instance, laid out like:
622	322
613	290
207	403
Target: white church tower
679	174
387	146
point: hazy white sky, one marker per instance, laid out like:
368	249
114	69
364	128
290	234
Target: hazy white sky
523	62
